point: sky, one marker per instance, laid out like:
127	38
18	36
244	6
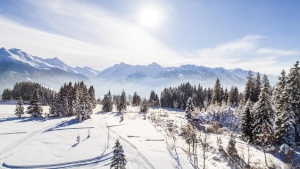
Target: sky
258	35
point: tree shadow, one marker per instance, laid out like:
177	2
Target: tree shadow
11	119
74	145
63	124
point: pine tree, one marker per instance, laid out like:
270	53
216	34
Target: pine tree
256	88
136	99
19	111
144	106
151	98
263	117
267	83
231	150
92	96
107	103
246	122
226	95
288	115
249	87
292	93
279	105
118	160
217	93
189	108
233	97
35	109
123	105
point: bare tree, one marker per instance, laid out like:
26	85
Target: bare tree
204	145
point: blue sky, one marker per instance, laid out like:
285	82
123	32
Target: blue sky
258	35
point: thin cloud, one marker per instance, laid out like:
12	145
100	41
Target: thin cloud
85	31
245	53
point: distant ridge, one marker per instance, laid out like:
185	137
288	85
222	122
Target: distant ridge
17	65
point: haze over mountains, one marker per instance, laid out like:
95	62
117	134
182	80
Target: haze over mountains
17	65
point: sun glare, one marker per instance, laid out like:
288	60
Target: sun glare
151	17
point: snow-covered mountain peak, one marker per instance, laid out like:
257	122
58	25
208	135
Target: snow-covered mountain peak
19	56
154	64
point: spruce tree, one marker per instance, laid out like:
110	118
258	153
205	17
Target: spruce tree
217	93
35	109
152	98
189	108
233	97
19	111
289	132
123	104
246	122
263	117
226	95
92	97
107	103
118	160
231	150
279	105
292	93
256	88
144	106
136	99
249	87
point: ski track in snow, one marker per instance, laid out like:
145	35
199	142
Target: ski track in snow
132	149
6	152
79	163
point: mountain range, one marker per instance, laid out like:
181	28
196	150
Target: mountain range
17	65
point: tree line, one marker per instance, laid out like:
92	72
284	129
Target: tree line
74	100
25	90
275	116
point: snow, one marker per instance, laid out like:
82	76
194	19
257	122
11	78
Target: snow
32	142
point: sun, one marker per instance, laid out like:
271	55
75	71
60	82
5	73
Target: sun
150	17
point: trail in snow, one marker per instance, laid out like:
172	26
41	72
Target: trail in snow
130	148
7	151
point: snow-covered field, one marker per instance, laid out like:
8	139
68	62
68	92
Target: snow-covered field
35	143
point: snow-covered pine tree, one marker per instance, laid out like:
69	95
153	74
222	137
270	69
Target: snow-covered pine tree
246	122
35	109
152	98
200	96
136	99
19	111
279	105
292	90
65	106
263	131
233	97
231	150
144	106
226	95
92	97
189	108
249	87
107	102
289	131
156	102
118	161
266	80
217	93
285	133
123	104
256	87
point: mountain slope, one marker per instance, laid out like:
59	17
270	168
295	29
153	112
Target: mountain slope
16	65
